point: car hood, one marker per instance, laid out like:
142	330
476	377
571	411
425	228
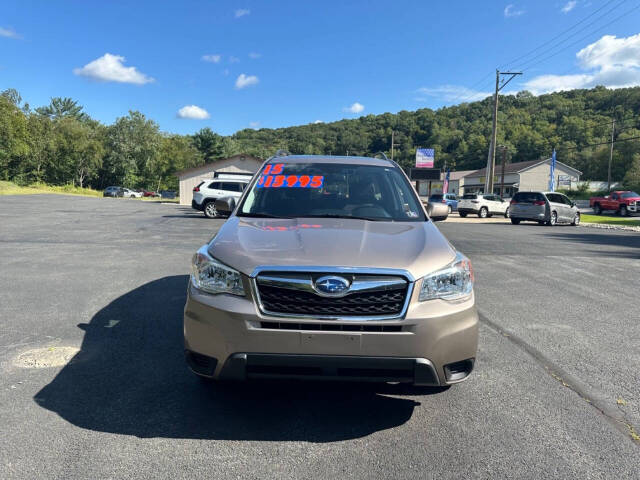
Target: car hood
246	243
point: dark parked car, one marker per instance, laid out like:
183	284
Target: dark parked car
113	192
168	194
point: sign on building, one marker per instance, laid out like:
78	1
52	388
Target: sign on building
425	157
564	180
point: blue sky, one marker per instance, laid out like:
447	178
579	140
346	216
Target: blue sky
260	63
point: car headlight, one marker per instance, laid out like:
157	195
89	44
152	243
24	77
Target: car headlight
451	283
211	276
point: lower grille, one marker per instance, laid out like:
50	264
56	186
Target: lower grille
368	296
331	327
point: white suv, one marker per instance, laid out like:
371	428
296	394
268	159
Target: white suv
206	193
482	205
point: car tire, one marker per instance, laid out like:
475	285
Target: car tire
506	213
597	209
209	209
623	211
449	209
553	219
483	213
515	221
463	214
576	220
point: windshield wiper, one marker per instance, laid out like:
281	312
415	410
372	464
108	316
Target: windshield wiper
353	217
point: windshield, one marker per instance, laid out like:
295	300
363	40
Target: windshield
333	191
630	195
435	198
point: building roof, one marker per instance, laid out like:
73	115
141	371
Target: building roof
518	167
457	175
212	165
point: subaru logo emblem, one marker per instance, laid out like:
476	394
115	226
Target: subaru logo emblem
331	286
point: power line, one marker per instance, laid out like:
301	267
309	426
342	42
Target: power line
559	35
469	95
577	41
582	147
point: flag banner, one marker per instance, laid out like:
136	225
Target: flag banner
445	185
552	176
425	157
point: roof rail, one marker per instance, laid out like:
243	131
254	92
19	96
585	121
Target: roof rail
379	154
282	153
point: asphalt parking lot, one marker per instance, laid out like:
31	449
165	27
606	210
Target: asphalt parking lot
96	287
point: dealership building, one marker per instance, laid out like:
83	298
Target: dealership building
521	176
189	178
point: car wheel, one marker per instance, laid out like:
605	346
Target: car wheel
210	210
576	220
506	213
597	209
553	219
462	214
623	211
515	221
449	209
483	213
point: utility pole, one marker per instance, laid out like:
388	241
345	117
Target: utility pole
491	160
613	129
504	162
393	144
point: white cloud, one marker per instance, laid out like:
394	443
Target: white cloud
511	11
193	112
317	122
569	6
610	61
244	81
233	59
241	12
110	68
9	33
254	125
452	93
354	108
214	58
254	55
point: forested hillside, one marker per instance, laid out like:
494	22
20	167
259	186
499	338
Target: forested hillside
61	144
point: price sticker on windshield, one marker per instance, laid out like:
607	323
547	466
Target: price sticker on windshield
289	181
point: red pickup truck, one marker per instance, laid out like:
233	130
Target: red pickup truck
623	202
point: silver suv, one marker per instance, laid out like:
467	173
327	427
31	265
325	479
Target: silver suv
546	208
330	267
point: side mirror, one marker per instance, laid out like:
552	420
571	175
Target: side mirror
225	205
438	211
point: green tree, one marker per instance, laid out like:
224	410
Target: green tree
210	145
62	107
632	177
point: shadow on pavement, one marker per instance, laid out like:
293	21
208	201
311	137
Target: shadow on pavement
130	378
619	244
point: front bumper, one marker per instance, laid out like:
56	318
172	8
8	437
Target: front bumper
227	337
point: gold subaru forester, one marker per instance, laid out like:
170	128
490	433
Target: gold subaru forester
330	268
